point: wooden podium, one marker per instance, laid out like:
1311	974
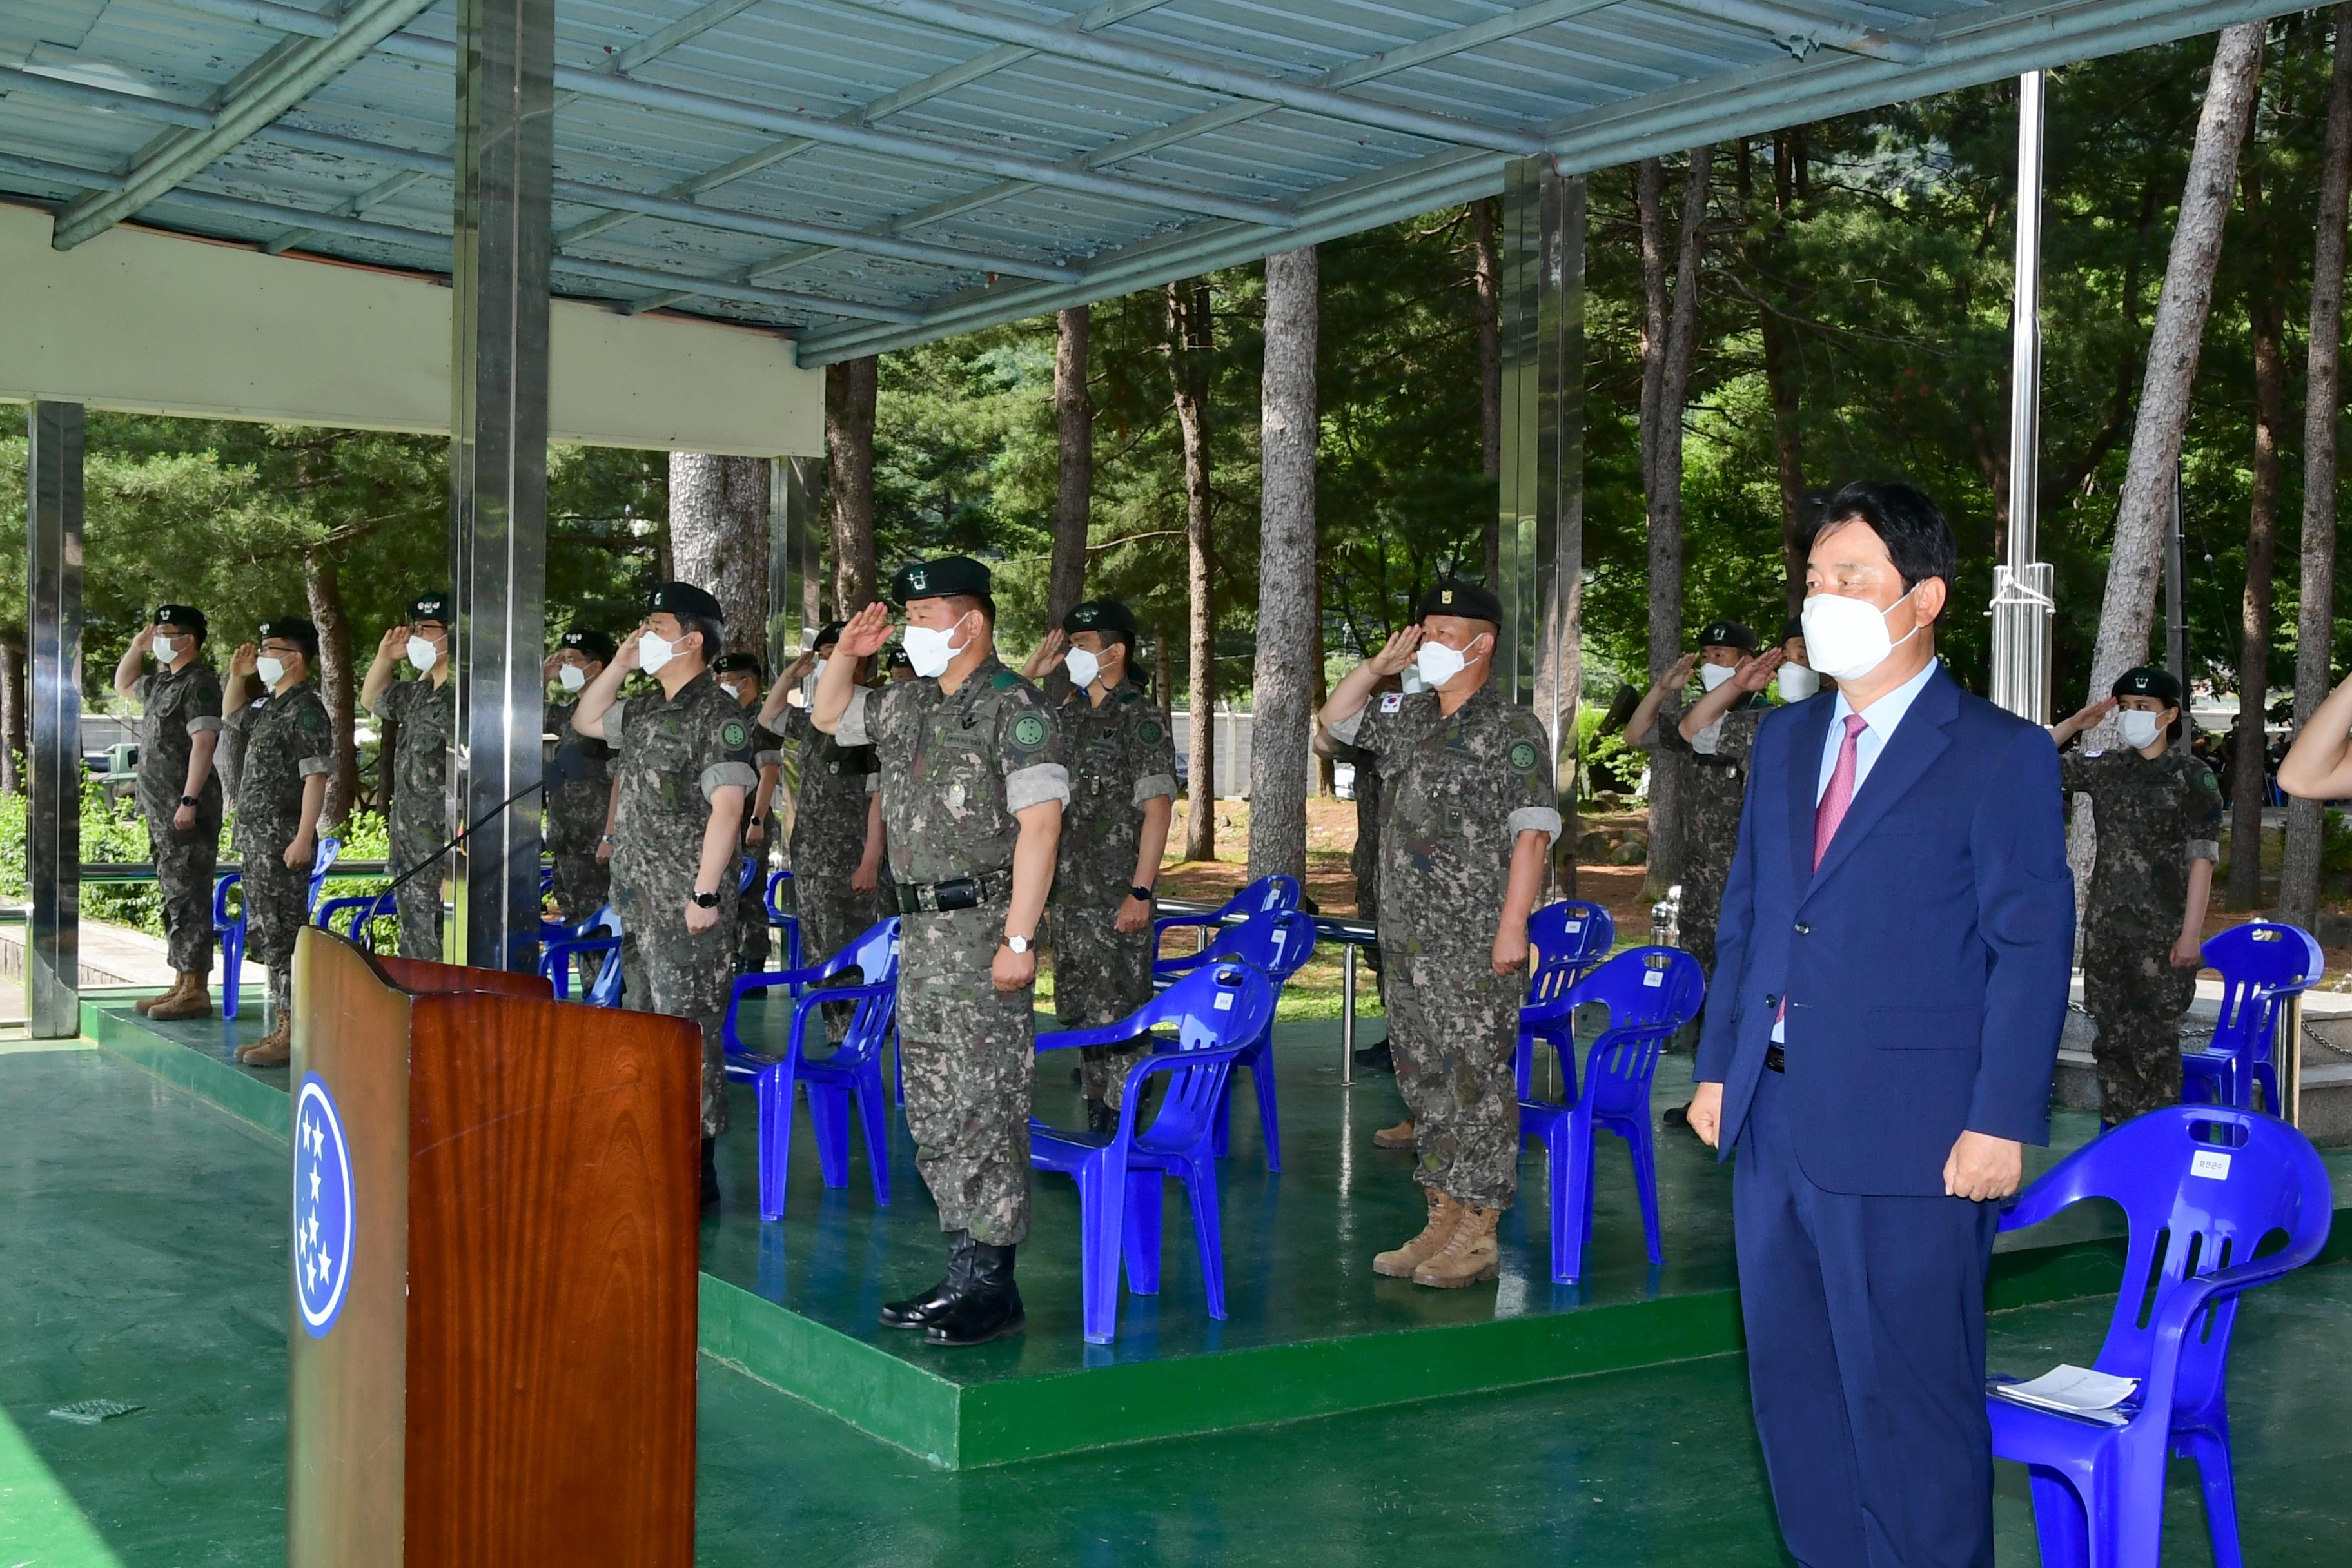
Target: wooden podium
492	1309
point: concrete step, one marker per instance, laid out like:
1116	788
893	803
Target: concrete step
2326	1067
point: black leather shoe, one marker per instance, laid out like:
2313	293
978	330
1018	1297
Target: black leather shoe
921	1312
1101	1118
1676	1116
710	1173
990	1308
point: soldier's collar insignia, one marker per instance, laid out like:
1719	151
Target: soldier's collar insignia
1004	680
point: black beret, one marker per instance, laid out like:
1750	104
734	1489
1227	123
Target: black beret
685	599
186	615
593	646
2147	681
731	663
1794	629
1728	634
1471	601
949	576
1102	615
293	629
896	658
432	606
827	635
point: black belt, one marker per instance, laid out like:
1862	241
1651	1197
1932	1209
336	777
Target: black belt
1775	1059
961	893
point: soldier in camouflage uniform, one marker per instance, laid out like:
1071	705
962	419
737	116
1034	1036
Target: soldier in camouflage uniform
1465	844
579	810
836	843
425	711
682	757
972	791
1122	768
179	795
289	751
1715	784
2158	814
740	677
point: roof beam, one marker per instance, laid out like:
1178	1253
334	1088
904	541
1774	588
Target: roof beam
1208	75
264	14
282	79
16	79
1801	32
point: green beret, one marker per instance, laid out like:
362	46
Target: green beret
293	629
593	646
734	663
827	635
1470	601
685	599
1728	634
949	576
1107	616
2147	681
186	615
430	607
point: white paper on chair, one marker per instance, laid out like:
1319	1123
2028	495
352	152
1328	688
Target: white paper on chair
2074	1391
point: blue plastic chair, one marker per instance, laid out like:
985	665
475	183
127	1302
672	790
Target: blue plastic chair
599	933
1570	940
1651	993
363	910
1268	895
1215	1011
2262	964
783	919
1276	946
2202	1189
852	1073
230	930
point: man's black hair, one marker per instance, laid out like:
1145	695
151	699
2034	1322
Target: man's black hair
984	602
1917	539
714	636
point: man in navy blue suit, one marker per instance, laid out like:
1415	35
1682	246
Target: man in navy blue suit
1890	982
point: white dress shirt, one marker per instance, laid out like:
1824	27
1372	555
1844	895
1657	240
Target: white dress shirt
1879	721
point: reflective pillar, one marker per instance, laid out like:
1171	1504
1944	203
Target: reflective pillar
793	560
2022	605
1542	498
498	467
53	827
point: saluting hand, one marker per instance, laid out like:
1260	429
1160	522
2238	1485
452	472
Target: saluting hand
1048	657
626	657
393	642
867	630
145	641
2088	719
1397	652
241	662
1678	674
1756	671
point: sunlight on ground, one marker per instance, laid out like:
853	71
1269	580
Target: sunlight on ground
38	1521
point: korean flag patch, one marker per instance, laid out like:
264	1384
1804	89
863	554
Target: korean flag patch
1392	702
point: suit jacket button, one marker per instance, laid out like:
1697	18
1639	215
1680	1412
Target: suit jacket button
1804	930
1771	1001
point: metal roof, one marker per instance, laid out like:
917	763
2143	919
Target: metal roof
865	174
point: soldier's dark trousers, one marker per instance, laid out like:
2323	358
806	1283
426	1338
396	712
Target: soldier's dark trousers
1100	975
277	907
751	935
418	899
2136	998
969	1050
832	915
1453	1026
665	968
581	886
185	865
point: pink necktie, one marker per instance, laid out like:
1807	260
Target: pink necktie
1839	795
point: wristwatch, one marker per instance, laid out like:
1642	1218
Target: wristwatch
706	900
1140	891
1016	943
190	800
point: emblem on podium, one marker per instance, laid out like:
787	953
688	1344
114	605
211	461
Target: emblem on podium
323	1225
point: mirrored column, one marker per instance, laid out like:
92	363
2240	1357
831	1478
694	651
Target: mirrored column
53	826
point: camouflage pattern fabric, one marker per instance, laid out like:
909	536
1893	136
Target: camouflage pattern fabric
575	821
834	793
1459	791
1717	773
175	708
428	717
753	939
671	755
1120	755
2154	818
288	738
955	769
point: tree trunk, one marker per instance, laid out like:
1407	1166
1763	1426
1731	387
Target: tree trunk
1189	340
2267	328
1163	667
849	390
325	593
12	715
1484	216
2144	508
1074	418
1281	739
719	539
2315	629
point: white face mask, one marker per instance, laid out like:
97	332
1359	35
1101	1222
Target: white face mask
1711	676
422	654
164	649
653	652
1847	639
1797	683
1083	667
1439	664
570	677
2140	730
271	671
931	651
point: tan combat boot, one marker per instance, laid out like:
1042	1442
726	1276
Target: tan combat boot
274	1050
1468	1255
146	1005
192	999
1442	1214
1397	1137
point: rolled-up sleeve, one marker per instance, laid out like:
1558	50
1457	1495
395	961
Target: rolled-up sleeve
1530	790
203	724
612	723
310	765
1541	819
718	776
1344	729
852	730
1155	786
1035	784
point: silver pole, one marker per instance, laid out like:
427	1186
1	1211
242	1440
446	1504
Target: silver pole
2286	1059
53	838
497	465
2021	608
1348	1015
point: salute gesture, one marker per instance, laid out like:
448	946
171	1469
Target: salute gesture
242	662
1048	657
1396	653
867	630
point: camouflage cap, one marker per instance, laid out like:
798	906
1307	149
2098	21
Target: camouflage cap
685	599
593	646
1452	597
433	606
946	577
2147	681
1728	634
186	615
1106	616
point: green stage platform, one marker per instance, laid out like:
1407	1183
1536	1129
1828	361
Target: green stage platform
1311	1331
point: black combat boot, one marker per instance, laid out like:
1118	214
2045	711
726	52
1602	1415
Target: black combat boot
921	1312
988	1307
710	1173
1375	1058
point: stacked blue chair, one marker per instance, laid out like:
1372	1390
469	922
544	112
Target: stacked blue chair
851	1074
2200	1188
1651	993
599	935
1215	1011
1570	938
1266	896
2262	964
780	919
230	930
1276	945
364	910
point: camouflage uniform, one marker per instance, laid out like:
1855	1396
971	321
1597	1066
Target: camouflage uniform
753	938
175	707
955	769
1119	756
287	739
1718	779
575	820
672	754
1460	790
2154	818
829	813
428	717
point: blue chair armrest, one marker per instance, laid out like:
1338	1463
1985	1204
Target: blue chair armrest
1172	1061
1184	963
1100	1035
761	980
732	1041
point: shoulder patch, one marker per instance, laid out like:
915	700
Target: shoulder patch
1029	732
1149	731
1523	756
1004	680
733	735
2205	779
1391	701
